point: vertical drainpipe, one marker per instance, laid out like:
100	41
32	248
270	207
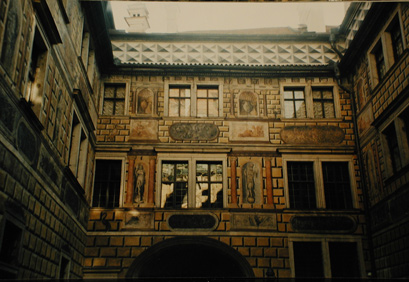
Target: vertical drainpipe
359	154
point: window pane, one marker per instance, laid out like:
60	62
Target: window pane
216	172
201	93
288	94
202	172
213	108
327	94
316	94
217	195
289	109
173	92
109	92
300	109
173	107
120	92
213	93
119	107
108	107
318	110
184	107
391	137
181	172
201	107
308	260
202	194
329	109
184	92
337	187
168	172
299	94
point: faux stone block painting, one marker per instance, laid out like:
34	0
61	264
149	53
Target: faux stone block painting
143	130
249	131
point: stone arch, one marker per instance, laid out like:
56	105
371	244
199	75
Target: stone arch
248	104
11	36
190	256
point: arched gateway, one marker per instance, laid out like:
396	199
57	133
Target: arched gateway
190	257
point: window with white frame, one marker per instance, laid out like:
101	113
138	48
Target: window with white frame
325	258
395	140
188	100
191	182
313	182
386	50
310	101
107	183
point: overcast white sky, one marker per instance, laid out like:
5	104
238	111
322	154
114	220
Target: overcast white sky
235	15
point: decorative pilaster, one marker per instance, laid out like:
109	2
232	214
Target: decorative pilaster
151	185
129	190
233	173
269	185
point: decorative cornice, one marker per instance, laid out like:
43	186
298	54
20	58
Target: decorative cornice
240	53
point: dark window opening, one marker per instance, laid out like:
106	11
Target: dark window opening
301	185
308	260
107	183
344	259
380	61
337	185
11	243
392	139
64	268
396	37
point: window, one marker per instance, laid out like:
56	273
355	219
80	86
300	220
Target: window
310	102
319	183
36	74
107	183
393	146
294	103
192	182
65	265
323	101
207	101
78	150
186	100
301	185
379	61
386	50
337	185
11	234
396	37
395	140
325	259
179	100
114	99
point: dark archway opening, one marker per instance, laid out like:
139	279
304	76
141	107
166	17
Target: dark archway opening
190	257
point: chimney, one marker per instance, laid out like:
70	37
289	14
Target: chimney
138	18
